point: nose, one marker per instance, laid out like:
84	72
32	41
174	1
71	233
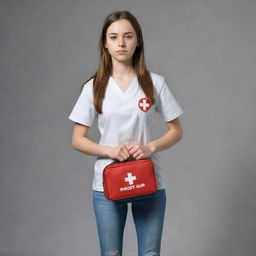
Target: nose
121	41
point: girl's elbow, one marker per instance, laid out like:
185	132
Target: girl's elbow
74	144
180	134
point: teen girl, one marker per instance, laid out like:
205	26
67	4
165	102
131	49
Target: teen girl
125	97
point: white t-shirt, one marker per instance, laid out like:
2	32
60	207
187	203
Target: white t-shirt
126	118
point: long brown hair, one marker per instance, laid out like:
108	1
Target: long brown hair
105	62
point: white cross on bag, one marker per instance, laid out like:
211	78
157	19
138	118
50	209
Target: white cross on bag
130	178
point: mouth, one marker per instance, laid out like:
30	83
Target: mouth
122	51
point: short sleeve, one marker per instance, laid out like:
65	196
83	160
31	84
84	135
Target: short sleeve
84	112
166	105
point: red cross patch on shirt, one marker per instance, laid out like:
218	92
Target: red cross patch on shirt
144	104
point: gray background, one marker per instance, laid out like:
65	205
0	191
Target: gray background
206	51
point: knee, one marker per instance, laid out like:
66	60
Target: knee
113	253
151	253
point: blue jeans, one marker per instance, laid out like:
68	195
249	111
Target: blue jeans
148	214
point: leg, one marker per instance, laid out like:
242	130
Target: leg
110	218
148	214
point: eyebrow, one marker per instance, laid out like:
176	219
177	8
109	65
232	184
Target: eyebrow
124	33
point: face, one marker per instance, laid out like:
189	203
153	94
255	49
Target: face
121	36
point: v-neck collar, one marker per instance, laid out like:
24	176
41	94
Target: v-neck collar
118	87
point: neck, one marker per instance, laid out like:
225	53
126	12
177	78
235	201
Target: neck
121	69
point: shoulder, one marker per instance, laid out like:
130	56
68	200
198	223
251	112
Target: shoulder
88	86
157	80
87	90
156	77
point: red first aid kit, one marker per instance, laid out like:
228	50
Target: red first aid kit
129	179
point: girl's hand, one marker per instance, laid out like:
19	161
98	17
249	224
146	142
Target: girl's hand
138	151
119	153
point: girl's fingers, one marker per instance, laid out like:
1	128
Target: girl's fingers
133	148
126	152
136	154
124	156
140	156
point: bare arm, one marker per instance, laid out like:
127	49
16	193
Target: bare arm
170	138
80	142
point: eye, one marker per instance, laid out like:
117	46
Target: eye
129	37
112	37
